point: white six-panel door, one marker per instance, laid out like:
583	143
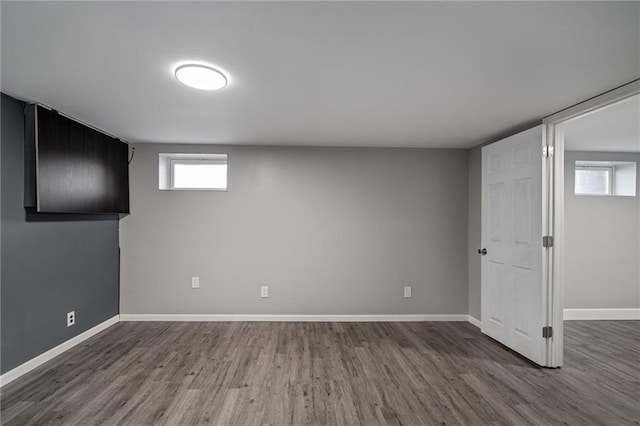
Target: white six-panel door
513	312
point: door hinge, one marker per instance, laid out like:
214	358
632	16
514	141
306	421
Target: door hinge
547	241
547	151
547	332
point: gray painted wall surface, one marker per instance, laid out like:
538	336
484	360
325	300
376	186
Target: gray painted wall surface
602	243
329	230
474	237
51	264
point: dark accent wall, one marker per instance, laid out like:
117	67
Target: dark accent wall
51	263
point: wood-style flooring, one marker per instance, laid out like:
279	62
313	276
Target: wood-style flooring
329	373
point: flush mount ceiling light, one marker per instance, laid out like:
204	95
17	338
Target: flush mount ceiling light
201	77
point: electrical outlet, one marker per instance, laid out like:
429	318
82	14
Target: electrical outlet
264	291
407	291
195	282
71	318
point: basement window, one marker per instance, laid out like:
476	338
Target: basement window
192	172
608	178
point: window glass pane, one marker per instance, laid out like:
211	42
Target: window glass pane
593	181
200	176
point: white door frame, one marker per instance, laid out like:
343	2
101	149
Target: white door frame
555	226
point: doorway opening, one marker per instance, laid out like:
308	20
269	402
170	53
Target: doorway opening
595	220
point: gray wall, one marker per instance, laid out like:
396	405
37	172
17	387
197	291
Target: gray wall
329	230
51	264
602	243
474	237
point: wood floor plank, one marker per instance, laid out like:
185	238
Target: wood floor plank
329	374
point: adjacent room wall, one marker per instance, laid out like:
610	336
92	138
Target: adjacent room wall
51	264
602	243
329	230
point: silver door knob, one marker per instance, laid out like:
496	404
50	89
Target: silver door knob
482	251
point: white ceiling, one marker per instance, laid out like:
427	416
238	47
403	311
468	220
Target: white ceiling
405	74
615	128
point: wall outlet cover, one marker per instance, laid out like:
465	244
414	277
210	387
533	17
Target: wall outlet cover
264	291
71	318
407	291
195	282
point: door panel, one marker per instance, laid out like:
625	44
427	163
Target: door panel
522	204
496	274
496	211
522	284
512	281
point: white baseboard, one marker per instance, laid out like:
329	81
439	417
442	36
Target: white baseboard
601	314
475	321
291	318
11	375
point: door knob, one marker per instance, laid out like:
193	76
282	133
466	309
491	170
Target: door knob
482	251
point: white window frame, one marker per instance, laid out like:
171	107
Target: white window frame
168	161
609	169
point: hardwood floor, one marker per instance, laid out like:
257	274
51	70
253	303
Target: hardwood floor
329	373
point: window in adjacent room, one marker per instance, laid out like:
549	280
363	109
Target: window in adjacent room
181	172
609	178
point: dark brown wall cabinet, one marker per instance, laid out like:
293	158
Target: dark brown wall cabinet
72	168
